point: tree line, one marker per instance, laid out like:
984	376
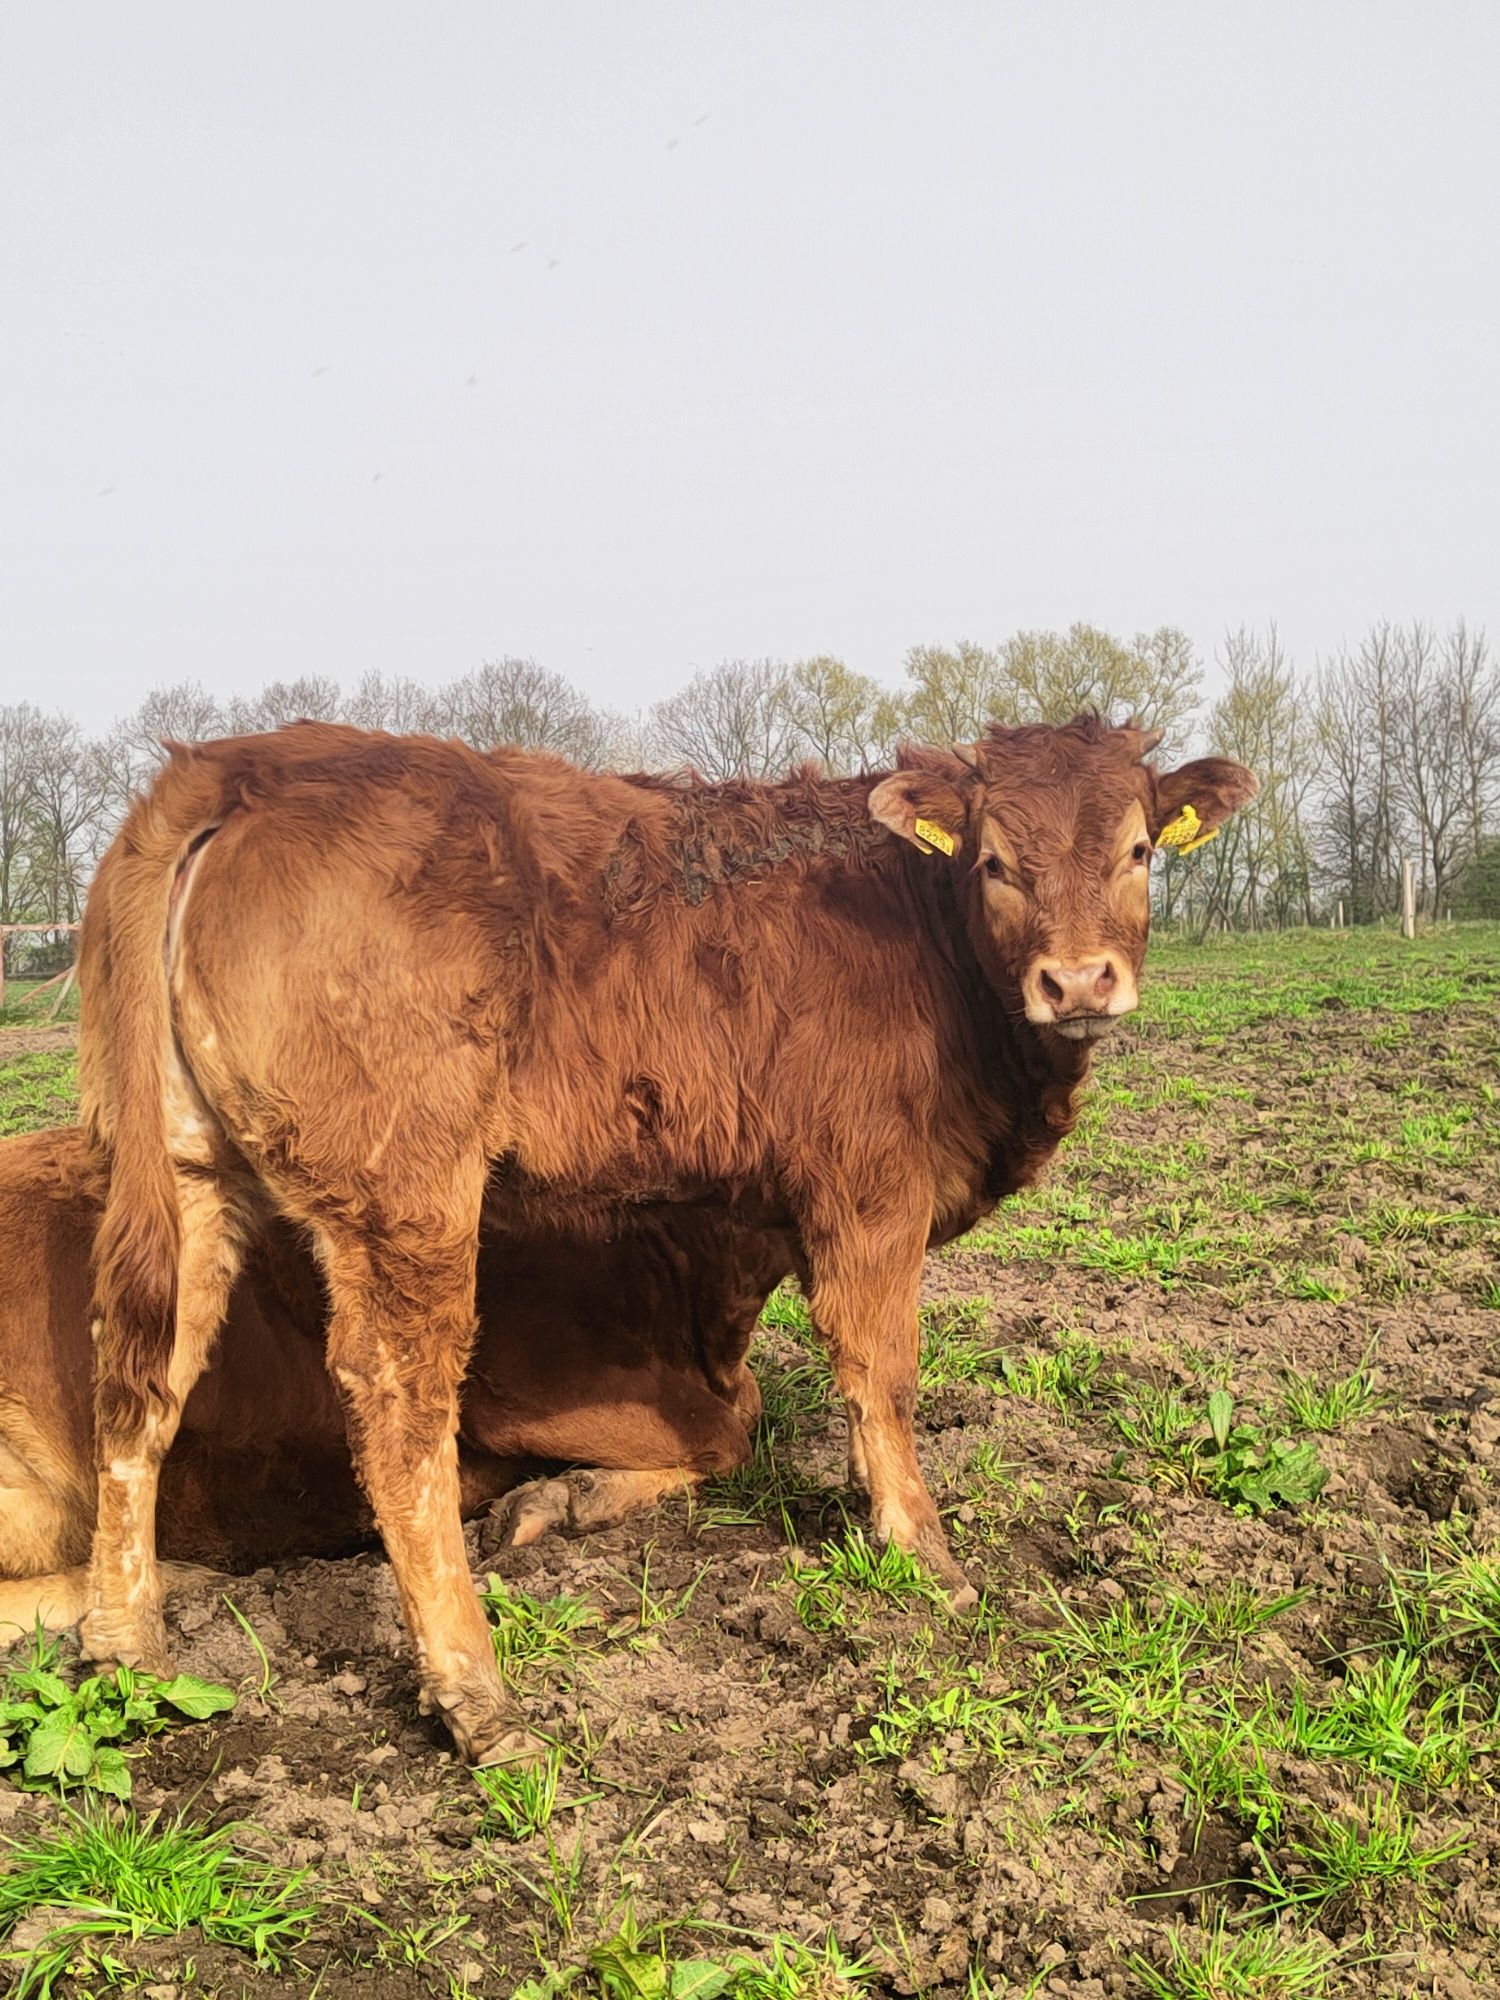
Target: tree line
1388	750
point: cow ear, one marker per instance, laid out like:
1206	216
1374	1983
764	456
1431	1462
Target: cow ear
1194	801
923	808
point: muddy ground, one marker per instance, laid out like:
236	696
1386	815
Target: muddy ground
1172	1699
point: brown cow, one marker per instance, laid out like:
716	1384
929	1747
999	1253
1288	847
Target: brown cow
625	1354
353	977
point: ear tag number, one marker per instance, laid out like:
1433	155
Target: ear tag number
930	836
1185	832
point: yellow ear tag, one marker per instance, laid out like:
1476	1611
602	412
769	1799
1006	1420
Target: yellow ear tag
1184	833
930	836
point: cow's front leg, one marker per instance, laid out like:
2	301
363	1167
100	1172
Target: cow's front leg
864	1304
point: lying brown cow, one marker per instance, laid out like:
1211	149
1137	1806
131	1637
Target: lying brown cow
625	1355
358	979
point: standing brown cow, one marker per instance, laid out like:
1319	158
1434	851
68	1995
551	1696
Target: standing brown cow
349	975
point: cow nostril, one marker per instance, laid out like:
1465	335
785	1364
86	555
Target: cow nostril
1051	988
1106	981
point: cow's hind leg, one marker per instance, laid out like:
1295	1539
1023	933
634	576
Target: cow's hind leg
576	1502
399	1338
667	1437
864	1304
123	1622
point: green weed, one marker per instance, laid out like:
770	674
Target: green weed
57	1737
792	1971
630	1967
1208	1450
961	1708
530	1631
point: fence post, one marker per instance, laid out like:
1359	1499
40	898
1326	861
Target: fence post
1408	899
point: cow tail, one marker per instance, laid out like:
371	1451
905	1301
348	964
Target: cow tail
125	1044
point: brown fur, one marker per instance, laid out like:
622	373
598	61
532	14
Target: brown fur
394	966
623	1353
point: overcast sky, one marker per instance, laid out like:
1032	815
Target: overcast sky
638	336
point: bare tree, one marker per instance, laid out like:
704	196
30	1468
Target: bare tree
1259	870
184	712
20	728
69	797
1446	716
1169	683
1357	816
399	704
309	698
735	720
1474	680
517	701
1398	751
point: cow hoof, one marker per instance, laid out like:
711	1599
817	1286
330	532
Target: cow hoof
487	1733
104	1646
931	1548
517	1748
527	1512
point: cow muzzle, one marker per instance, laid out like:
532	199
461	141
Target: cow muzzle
1078	999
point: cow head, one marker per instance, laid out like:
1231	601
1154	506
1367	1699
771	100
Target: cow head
1049	833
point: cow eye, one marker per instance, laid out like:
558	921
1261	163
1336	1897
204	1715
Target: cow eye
1141	851
994	867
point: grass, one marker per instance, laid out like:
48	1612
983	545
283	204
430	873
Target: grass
840	1582
1067	1378
1388	1719
1465	1604
111	1878
1201	1203
953	1344
1352	1863
1226	1964
37	1090
520	1801
27	1007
